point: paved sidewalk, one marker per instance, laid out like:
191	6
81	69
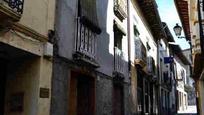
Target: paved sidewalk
191	110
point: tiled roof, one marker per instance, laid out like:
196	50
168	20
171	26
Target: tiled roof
182	8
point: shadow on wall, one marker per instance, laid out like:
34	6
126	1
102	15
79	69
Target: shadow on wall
105	39
105	59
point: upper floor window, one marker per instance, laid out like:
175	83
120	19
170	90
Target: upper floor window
136	32
118	35
88	15
120	9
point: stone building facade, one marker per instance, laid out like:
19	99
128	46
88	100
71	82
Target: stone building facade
26	56
91	75
83	57
109	49
191	14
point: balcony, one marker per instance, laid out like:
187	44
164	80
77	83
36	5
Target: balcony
140	53
196	47
10	11
85	45
151	65
197	41
120	9
119	62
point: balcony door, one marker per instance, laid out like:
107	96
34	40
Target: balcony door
2	85
82	95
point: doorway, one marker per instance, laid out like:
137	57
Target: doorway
118	99
2	85
140	98
81	95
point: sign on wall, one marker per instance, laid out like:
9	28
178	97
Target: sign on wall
168	60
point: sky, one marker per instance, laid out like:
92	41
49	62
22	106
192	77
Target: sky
168	14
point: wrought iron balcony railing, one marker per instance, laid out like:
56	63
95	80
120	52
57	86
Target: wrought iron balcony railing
119	62
140	51
120	9
10	11
15	5
85	43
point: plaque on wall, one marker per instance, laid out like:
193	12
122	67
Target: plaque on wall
16	102
44	92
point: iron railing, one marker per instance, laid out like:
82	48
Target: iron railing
85	40
118	60
140	50
120	6
15	5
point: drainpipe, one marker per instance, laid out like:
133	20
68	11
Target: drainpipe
200	26
158	75
202	51
197	96
129	54
128	36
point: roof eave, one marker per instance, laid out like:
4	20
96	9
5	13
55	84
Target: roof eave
182	9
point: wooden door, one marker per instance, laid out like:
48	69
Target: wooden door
118	100
73	96
140	95
85	96
81	95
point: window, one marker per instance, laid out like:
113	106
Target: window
81	95
118	35
86	34
88	15
161	70
136	32
148	46
118	40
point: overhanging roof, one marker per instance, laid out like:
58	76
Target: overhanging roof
182	8
151	14
177	50
169	36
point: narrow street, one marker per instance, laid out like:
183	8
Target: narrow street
101	57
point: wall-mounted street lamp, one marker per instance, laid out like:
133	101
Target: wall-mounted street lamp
177	30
